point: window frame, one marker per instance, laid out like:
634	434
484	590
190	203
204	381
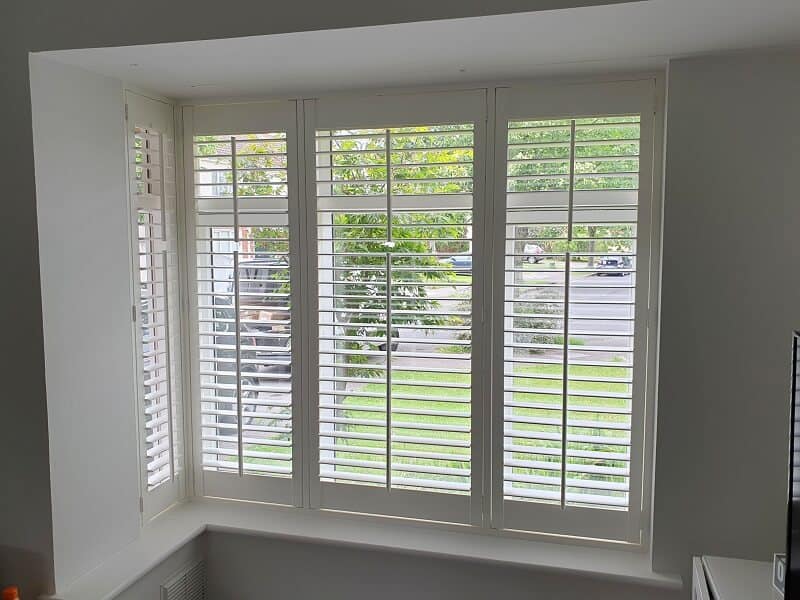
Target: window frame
491	103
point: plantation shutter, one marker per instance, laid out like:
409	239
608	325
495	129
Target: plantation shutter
395	234
571	339
245	203
153	203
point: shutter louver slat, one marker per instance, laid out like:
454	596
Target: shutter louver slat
243	282
394	251
571	218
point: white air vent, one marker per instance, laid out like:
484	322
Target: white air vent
188	584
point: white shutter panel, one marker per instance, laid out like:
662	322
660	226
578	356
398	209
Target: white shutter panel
153	195
243	188
573	326
394	236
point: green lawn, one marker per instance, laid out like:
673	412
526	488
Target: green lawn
459	278
544	378
526	376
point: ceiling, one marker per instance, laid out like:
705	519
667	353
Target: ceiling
630	36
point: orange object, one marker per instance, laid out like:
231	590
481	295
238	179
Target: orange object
11	593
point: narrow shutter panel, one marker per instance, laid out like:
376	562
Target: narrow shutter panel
153	171
243	300
569	310
394	236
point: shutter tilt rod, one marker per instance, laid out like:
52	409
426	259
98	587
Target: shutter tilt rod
565	384
237	303
389	246
565	363
571	179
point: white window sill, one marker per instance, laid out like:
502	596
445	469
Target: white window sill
179	525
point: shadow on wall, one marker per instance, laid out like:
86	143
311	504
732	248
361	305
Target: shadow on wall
25	569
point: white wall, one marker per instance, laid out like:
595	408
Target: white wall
240	566
84	257
730	296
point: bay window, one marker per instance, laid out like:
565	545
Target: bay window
437	306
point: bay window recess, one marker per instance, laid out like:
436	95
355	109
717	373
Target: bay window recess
375	330
151	153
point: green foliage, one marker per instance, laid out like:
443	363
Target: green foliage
261	163
362	282
606	158
421	164
270	239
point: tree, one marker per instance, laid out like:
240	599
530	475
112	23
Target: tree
608	163
418	237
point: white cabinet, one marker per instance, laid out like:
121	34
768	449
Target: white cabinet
717	578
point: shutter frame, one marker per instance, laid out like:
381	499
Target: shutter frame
257	482
162	406
381	114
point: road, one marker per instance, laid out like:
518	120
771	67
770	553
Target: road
598	297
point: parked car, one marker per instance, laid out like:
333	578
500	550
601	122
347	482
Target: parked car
461	263
614	265
534	253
